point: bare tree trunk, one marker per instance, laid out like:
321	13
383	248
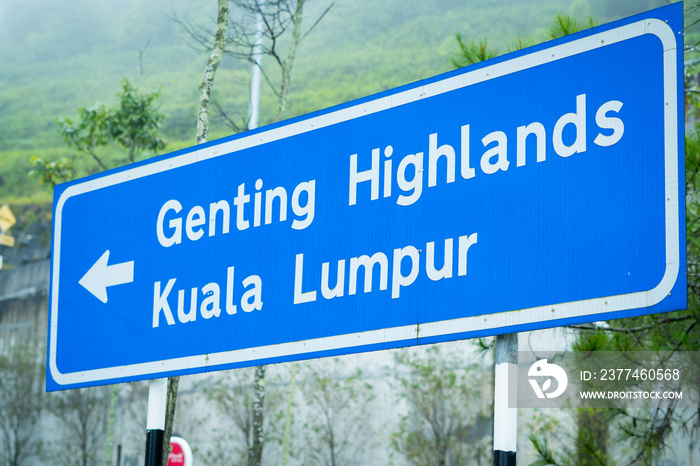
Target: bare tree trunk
287	67
173	383
210	72
202	129
288	417
111	420
255	453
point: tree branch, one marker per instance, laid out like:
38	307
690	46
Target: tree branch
630	329
210	72
317	21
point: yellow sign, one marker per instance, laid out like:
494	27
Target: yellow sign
7	240
6	218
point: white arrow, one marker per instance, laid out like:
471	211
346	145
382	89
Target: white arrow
100	276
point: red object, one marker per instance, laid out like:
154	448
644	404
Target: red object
177	455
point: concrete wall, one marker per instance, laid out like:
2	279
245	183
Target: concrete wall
24	304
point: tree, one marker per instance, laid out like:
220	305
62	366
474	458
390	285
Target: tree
82	414
200	138
215	57
258	416
280	18
288	415
470	52
442	426
277	17
233	393
133	125
589	443
337	431
564	25
51	172
21	404
131	411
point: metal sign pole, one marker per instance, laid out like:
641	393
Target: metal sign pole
155	423
505	418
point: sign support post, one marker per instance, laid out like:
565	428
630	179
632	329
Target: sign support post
155	423
505	418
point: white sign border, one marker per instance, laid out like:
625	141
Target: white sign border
642	299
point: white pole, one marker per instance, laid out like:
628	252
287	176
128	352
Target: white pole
257	63
155	421
505	417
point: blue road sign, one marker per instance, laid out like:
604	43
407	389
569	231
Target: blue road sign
541	188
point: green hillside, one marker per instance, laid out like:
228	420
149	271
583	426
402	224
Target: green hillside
57	56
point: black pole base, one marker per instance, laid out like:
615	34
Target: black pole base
503	458
154	447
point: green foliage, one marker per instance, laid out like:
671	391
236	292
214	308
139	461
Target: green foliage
82	414
88	134
545	454
340	409
360	48
443	425
21	404
470	52
15	185
692	187
133	125
592	441
233	395
563	26
520	43
51	172
595	340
